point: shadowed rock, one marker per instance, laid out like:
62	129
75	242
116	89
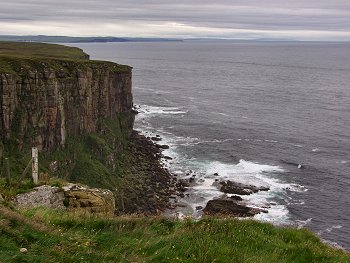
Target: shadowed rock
229	207
230	187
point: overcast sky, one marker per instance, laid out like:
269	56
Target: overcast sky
292	19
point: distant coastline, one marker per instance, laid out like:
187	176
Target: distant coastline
68	39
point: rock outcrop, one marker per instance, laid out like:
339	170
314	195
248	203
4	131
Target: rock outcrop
89	199
71	197
45	101
45	196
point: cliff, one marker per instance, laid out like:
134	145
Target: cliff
78	112
44	101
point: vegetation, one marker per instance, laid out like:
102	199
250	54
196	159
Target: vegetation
29	49
22	57
57	236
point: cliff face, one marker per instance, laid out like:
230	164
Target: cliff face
43	104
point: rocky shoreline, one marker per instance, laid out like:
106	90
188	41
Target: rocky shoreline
150	184
147	187
172	189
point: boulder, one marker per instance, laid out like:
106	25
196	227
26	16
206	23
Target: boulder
70	197
93	200
230	187
45	196
229	207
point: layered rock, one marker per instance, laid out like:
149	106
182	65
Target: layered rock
44	103
72	197
90	199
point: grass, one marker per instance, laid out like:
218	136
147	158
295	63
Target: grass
28	49
57	236
23	58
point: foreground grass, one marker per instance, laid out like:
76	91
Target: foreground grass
52	236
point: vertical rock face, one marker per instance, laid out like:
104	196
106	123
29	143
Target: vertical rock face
42	106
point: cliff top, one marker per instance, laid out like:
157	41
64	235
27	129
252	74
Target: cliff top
17	57
28	49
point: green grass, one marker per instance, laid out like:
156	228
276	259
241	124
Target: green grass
22	58
28	49
54	236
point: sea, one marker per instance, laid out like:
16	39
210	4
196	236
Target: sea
273	114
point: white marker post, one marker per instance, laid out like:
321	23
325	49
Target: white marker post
35	167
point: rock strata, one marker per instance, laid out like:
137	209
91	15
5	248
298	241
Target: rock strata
93	200
44	104
70	197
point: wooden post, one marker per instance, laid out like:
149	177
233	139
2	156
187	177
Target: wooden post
35	168
8	179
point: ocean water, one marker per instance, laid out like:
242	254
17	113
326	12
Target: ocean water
251	112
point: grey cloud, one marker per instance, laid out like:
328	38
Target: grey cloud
223	15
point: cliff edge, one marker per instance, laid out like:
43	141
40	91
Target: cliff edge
78	112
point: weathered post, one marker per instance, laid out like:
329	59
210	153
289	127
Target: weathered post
8	178
35	168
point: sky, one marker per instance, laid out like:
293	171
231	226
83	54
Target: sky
238	19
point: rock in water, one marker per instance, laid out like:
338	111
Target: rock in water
229	207
230	187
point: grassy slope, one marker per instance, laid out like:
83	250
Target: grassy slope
27	49
52	236
19	57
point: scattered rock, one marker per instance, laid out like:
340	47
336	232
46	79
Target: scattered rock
199	207
162	146
216	174
157	139
167	157
229	207
230	187
236	197
23	250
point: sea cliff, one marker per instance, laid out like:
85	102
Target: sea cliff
45	102
79	114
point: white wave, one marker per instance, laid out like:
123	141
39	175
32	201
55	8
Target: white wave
315	150
272	141
303	223
247	173
140	88
206	188
157	110
329	229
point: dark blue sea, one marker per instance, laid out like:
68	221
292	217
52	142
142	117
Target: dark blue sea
266	113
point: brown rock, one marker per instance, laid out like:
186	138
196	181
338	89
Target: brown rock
90	199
